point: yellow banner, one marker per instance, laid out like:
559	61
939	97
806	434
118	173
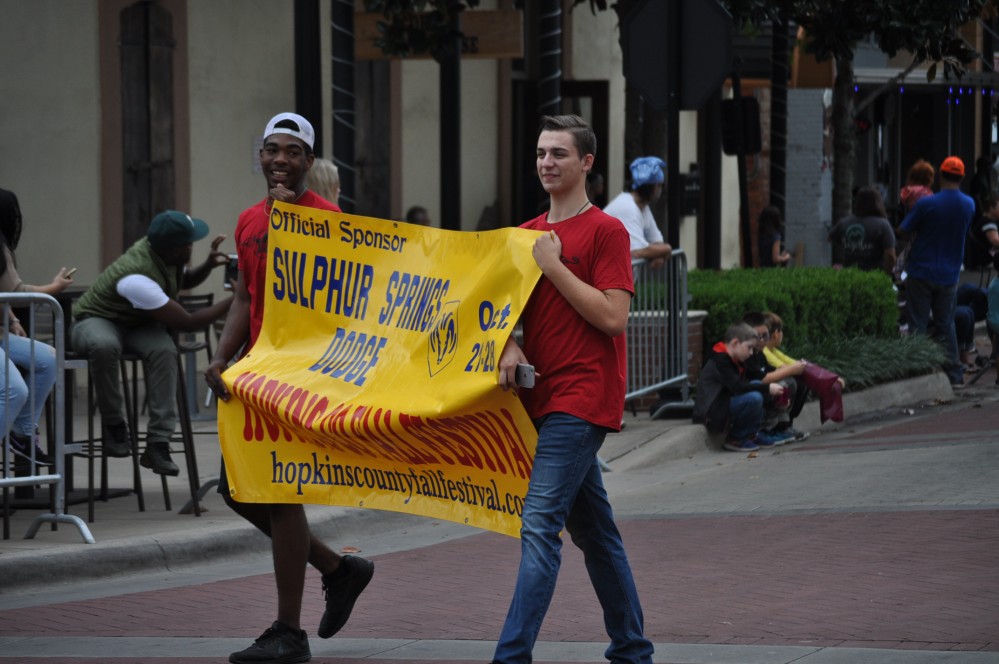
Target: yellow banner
373	382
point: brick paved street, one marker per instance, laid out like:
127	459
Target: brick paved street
875	543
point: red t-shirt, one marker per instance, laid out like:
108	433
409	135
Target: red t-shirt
582	370
251	247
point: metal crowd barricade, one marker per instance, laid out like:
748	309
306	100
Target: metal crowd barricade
34	325
657	329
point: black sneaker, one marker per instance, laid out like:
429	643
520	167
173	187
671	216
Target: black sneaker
342	589
279	644
157	458
21	446
117	443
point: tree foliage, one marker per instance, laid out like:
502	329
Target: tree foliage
928	29
418	27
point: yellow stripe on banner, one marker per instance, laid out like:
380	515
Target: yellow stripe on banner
373	382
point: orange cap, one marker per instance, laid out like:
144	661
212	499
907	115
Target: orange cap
953	165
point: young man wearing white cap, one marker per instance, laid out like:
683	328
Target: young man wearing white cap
285	159
634	209
132	307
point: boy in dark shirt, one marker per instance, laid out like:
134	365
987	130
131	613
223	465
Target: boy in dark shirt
728	398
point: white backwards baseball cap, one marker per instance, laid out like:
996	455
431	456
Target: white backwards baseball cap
293	125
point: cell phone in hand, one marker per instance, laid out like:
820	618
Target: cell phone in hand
525	375
231	271
69	273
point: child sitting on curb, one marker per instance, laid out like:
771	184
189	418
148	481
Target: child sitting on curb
727	399
799	380
776	412
778	360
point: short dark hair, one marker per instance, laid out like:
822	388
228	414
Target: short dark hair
10	225
754	319
921	172
774	322
740	332
769	220
414	213
868	203
645	191
582	133
951	177
10	219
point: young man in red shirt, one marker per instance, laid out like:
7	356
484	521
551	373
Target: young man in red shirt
574	329
285	159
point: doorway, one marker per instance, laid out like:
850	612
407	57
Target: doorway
147	48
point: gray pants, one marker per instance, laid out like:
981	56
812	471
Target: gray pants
103	342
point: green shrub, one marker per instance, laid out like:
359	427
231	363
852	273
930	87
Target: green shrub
815	303
866	361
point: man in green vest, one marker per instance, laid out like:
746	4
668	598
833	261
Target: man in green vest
132	307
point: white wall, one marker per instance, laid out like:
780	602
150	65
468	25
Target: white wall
596	55
238	77
234	91
421	137
479	139
50	133
421	171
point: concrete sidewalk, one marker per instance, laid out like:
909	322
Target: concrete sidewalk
871	543
130	541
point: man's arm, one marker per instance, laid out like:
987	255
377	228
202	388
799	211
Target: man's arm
235	333
909	224
605	310
888	242
655	250
174	316
836	232
786	371
777	256
735	383
510	357
889	260
196	275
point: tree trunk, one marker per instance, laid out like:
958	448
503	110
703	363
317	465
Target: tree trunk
844	139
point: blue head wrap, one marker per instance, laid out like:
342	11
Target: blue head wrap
647	170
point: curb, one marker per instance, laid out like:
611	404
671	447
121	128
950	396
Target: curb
907	392
685	440
175	550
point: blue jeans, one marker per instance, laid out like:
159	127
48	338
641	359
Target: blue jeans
566	490
16	395
964	327
925	298
745	413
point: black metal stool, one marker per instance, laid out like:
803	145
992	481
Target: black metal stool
185	437
91	447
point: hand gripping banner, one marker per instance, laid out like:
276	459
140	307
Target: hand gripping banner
373	382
